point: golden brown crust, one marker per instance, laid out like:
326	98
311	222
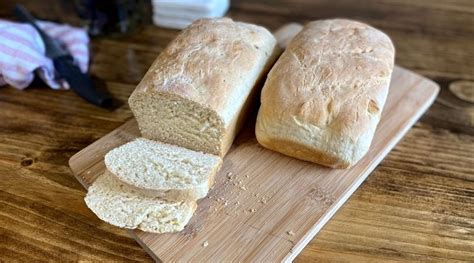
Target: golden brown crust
326	91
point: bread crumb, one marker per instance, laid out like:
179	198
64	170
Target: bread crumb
243	188
229	174
225	203
263	201
290	233
205	244
247	175
252	210
237	203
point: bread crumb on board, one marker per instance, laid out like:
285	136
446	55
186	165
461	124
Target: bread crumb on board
205	244
290	233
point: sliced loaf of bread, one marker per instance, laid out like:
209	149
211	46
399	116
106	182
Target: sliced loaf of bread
163	170
200	88
123	206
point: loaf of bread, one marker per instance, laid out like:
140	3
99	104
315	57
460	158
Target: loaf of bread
122	206
323	98
163	170
198	90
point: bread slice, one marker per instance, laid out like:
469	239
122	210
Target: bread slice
123	206
200	88
164	170
324	97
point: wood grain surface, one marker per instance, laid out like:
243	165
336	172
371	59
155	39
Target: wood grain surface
415	206
266	206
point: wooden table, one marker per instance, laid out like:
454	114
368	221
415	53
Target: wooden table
417	205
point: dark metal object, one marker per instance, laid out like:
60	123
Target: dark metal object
79	82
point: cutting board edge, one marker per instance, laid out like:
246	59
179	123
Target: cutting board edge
298	247
72	159
147	249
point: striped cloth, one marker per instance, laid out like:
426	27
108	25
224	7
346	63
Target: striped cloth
22	53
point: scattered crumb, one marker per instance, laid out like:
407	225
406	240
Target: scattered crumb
243	188
291	233
88	172
225	203
205	244
263	201
237	203
247	175
252	210
229	174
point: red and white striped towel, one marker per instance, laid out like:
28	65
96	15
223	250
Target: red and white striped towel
22	52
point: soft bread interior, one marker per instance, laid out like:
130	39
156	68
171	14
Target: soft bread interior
151	165
176	120
122	206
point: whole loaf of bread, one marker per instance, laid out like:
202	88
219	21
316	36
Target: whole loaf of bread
198	90
323	99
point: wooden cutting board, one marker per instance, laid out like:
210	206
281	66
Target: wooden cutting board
266	206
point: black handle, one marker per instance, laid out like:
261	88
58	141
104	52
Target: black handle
80	83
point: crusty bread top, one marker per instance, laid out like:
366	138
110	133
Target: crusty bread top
333	76
214	62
